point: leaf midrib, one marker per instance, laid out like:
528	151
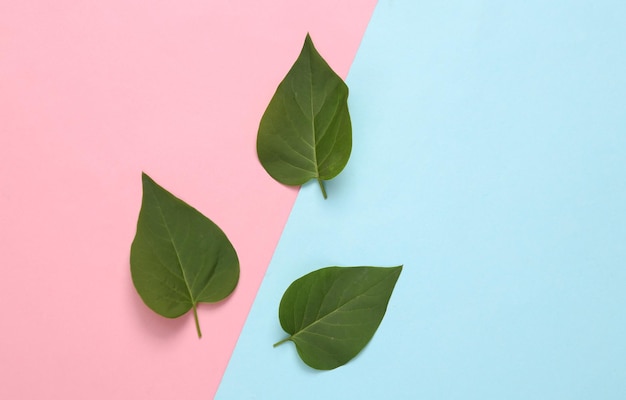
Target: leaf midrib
314	138
320	319
171	237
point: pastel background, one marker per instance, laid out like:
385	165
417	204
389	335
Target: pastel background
490	159
93	93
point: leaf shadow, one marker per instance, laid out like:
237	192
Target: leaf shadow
306	369
155	324
315	372
292	356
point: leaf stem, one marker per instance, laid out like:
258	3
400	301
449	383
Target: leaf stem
321	182
282	341
195	317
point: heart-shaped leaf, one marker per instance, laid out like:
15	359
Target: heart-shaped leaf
305	132
332	313
179	257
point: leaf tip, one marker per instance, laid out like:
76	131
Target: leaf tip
308	42
145	178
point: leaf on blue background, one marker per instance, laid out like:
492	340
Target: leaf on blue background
332	313
305	132
179	257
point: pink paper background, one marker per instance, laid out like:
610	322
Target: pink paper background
93	93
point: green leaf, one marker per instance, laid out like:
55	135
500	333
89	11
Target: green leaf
332	313
305	132
179	257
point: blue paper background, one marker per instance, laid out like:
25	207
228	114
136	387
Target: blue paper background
489	158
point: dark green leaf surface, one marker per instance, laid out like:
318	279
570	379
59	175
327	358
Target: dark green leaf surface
332	313
305	132
179	257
